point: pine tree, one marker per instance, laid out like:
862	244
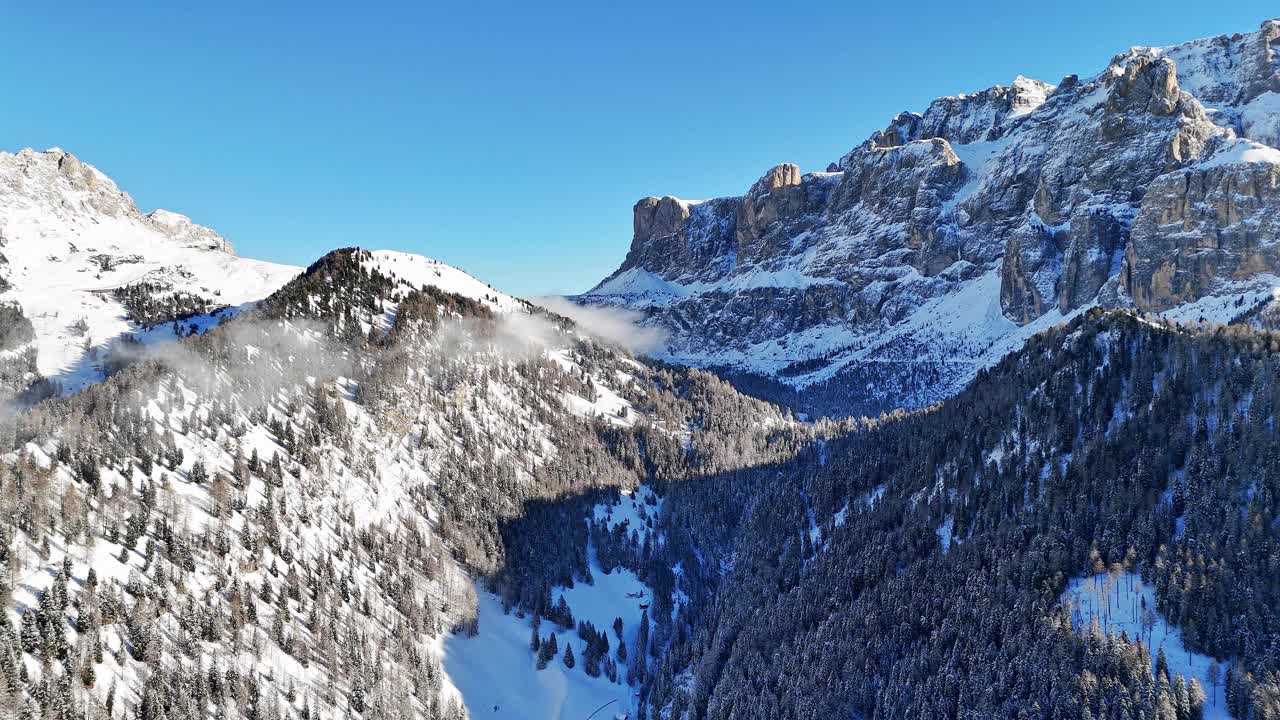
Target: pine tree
1195	698
31	639
564	616
547	651
568	656
356	696
87	674
1214	675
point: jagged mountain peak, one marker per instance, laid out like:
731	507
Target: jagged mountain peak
941	241
1225	70
966	117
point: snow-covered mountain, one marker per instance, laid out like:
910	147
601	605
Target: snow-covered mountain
945	240
1088	530
239	489
71	244
378	488
89	270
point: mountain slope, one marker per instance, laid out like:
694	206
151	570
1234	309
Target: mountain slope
86	266
379	488
952	562
282	515
945	240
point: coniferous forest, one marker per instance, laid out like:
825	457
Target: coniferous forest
978	423
908	565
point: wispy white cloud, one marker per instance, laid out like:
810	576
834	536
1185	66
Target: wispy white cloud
613	324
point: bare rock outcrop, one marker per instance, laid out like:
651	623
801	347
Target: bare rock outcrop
777	196
1201	227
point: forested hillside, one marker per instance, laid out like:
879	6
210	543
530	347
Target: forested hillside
913	568
290	508
280	517
978	423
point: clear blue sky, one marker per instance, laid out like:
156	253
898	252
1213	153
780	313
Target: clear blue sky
509	139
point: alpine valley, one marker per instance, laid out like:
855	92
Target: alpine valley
978	423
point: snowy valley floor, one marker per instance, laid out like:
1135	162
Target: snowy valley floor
495	672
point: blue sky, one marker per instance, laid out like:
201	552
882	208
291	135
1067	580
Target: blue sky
510	139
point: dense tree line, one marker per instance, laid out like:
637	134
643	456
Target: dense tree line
309	480
151	303
1107	443
15	328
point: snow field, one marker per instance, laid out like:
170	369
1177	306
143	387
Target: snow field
1119	603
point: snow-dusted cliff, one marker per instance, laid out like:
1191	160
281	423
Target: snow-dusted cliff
944	240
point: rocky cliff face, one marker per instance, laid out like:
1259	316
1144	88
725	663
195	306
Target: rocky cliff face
946	238
1210	224
1237	75
967	118
677	237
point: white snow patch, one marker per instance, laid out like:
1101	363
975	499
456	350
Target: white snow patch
944	533
418	271
496	671
1242	151
1225	304
1260	118
641	283
1118	602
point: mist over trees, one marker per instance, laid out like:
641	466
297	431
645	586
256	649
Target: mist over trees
274	519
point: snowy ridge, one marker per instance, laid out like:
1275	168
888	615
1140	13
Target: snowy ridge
645	287
417	271
71	238
290	510
291	488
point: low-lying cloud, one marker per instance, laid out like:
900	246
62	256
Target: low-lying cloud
612	324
